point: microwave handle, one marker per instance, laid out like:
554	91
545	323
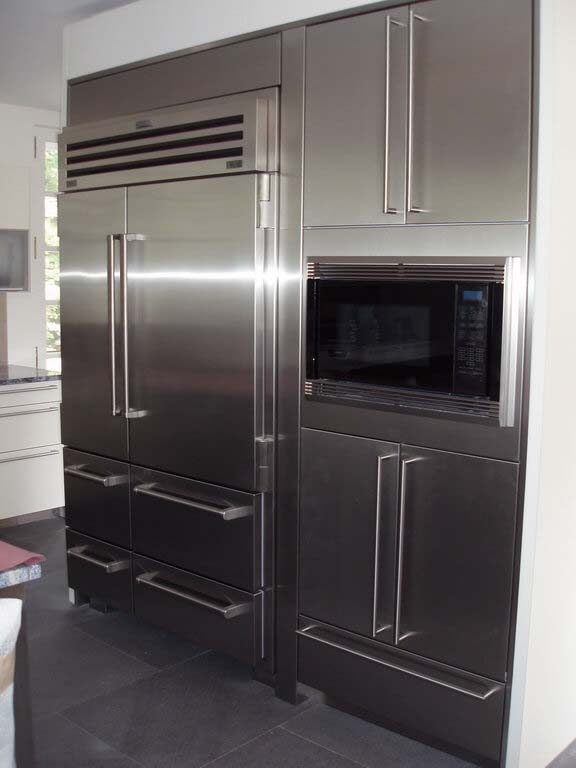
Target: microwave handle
511	325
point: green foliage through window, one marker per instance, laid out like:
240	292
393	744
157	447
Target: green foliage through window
51	251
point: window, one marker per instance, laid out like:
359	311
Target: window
52	256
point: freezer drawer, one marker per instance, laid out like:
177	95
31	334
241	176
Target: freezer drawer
213	531
211	614
430	701
98	570
97	496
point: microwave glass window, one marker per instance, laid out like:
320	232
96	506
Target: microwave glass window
397	333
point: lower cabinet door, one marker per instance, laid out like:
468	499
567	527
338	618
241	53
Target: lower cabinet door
348	521
99	570
426	699
209	613
456	557
204	528
97	496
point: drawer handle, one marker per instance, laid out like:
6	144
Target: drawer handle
226	612
106	480
110	566
29	413
309	633
30	456
228	513
25	391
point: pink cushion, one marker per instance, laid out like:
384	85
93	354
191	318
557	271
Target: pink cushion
13	557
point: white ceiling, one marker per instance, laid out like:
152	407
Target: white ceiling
31	47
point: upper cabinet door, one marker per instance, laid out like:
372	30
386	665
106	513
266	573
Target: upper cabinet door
469	111
355	132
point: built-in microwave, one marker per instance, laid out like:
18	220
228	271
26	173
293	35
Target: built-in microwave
427	337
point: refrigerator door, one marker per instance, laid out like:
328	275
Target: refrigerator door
195	274
91	361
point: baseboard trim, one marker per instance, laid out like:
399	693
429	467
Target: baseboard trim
32	517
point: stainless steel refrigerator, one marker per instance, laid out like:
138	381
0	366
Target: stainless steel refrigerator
168	323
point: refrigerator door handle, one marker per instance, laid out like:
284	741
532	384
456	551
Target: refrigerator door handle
129	413
110	239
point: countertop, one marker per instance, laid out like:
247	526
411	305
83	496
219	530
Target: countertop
22	374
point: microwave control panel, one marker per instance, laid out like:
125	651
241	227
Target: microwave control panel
471	340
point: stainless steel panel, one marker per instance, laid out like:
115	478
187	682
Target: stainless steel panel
289	360
469	124
243	66
175	143
460	712
196	301
457	533
86	220
356	120
348	521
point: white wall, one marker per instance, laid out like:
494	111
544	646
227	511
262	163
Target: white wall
543	718
22	315
155	27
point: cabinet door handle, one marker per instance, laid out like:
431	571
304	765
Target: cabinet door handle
29	413
107	481
381	460
410	207
401	526
224	513
224	611
316	633
390	22
110	566
29	456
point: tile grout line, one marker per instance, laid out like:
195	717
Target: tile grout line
332	751
239	746
99	738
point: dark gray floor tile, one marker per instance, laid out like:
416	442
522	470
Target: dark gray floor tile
49	541
368	744
281	749
141	640
47	606
61	744
68	666
186	715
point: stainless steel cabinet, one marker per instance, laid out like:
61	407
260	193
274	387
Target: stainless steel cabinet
469	114
87	220
456	555
410	546
348	532
356	120
422	110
